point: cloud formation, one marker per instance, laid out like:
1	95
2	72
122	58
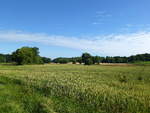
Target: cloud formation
112	45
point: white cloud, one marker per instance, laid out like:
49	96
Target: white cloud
135	27
101	17
112	45
102	14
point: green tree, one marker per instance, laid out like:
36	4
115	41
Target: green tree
46	60
87	59
79	59
2	58
74	61
96	59
27	55
61	60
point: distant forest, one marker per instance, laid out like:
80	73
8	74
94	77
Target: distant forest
28	55
107	59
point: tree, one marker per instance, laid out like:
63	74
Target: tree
61	60
8	58
5	58
46	60
2	58
74	61
87	59
96	59
79	59
27	55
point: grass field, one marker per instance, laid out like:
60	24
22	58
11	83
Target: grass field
70	88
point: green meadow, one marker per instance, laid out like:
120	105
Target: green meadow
68	88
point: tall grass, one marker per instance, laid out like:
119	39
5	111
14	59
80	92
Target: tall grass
75	89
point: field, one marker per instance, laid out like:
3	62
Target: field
68	88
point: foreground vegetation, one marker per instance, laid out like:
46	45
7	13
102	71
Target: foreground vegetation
74	89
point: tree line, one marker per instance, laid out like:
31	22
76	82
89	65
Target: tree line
24	55
5	58
30	55
88	59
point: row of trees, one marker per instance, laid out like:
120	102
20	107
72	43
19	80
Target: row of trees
30	55
5	58
62	60
88	59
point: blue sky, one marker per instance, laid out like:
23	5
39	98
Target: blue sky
67	28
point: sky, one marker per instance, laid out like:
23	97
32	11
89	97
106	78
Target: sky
67	28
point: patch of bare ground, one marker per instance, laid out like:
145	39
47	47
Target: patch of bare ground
116	64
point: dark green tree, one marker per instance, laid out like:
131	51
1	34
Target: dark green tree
96	59
27	55
87	59
61	60
46	60
2	58
79	59
74	61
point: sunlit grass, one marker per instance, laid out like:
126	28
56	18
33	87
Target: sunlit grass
74	89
